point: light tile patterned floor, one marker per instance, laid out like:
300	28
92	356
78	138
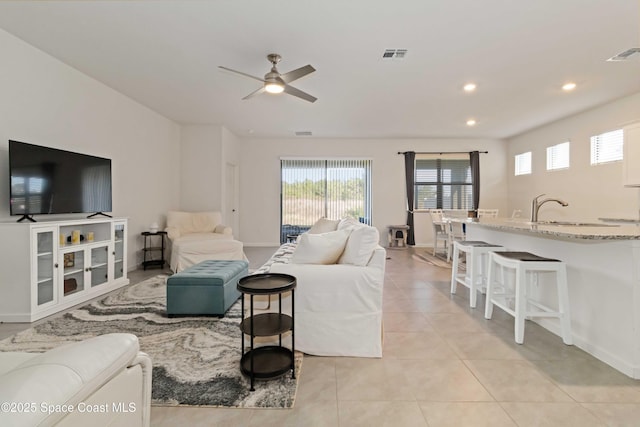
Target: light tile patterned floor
443	365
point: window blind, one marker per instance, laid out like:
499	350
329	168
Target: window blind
558	156
607	147
314	188
523	163
443	183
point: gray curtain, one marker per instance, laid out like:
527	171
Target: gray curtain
409	170
474	158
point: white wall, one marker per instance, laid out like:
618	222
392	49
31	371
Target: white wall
591	191
260	177
46	102
206	151
201	151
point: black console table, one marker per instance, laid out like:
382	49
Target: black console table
272	360
148	257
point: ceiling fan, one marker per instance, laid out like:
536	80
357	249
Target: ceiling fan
274	82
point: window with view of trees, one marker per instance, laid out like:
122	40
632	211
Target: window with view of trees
313	188
443	183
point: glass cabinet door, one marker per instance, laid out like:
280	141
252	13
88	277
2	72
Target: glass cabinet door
73	273
45	266
99	265
119	262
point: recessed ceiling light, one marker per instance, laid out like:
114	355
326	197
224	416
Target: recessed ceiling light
469	87
471	122
568	86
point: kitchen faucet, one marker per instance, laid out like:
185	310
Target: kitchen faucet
535	206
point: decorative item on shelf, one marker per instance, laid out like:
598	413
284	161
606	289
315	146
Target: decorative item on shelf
90	236
75	237
70	285
69	259
154	227
63	239
69	238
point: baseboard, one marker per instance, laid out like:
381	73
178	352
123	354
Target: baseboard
16	318
599	353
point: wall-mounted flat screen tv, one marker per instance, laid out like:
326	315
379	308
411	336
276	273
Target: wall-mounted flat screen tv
50	181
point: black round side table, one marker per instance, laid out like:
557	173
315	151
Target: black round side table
147	258
272	360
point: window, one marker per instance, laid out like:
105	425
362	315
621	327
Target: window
443	183
313	188
606	147
523	163
558	156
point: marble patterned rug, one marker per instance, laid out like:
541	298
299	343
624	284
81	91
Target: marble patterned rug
439	260
195	359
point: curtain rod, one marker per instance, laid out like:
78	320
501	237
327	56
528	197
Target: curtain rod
443	152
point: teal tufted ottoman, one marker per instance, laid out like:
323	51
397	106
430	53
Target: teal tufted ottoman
207	288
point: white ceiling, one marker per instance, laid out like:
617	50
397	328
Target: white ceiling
165	55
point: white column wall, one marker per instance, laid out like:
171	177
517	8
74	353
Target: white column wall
200	164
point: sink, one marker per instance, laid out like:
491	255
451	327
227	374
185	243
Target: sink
574	224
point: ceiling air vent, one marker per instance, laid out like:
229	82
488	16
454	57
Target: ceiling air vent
626	55
394	54
303	133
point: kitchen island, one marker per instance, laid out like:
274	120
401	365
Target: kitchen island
603	270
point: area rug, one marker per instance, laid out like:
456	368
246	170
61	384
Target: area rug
196	360
438	260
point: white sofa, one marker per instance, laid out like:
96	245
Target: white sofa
102	381
338	303
200	236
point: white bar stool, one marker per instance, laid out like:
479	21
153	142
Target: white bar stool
526	267
477	257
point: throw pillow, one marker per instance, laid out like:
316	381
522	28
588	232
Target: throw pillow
324	225
348	223
323	248
360	245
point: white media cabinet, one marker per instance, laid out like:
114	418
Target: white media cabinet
42	272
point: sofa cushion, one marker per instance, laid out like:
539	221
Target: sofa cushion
360	245
324	248
324	225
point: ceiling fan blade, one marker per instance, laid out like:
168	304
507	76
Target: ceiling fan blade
297	73
241	73
254	93
300	94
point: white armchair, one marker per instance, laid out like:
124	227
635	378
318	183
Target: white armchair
200	236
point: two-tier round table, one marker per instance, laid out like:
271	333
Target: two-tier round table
272	360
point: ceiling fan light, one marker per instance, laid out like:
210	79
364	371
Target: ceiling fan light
273	87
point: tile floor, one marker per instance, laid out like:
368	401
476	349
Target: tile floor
443	365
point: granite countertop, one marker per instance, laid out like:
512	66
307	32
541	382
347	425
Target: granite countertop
564	229
623	220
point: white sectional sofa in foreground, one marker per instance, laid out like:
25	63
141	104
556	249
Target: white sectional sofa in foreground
101	381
